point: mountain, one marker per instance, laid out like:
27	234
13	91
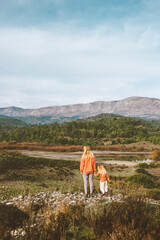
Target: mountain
141	107
12	111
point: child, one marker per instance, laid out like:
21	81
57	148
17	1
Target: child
103	179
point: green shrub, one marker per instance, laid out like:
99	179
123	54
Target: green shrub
141	170
154	194
145	180
145	165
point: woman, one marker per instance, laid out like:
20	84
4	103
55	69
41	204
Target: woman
87	168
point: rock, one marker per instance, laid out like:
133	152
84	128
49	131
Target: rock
56	199
23	233
14	233
9	203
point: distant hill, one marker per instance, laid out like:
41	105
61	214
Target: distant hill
102	116
7	122
97	130
139	107
47	119
108	116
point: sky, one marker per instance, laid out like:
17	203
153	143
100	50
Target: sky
60	52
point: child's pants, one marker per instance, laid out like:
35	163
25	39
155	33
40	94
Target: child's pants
104	187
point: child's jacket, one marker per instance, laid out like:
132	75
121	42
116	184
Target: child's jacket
103	178
87	164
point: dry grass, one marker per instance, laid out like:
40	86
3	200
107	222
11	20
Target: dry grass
134	147
154	171
130	219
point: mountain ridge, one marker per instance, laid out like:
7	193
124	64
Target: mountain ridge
141	107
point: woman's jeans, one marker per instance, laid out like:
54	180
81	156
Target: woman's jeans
85	179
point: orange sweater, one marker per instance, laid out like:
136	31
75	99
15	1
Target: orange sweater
103	178
87	164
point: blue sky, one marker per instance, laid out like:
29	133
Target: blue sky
58	52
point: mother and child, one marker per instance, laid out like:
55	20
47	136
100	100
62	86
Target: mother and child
88	169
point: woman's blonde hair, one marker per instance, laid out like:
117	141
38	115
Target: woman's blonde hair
102	170
87	151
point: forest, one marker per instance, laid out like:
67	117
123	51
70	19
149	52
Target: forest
99	130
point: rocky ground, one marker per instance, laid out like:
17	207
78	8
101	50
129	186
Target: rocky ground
57	199
53	202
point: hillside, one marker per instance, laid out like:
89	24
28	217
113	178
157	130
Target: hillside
47	119
43	198
141	107
7	123
98	130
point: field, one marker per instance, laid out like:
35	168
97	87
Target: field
31	174
42	174
37	171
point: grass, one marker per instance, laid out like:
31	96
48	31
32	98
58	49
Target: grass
154	194
144	177
21	174
131	219
11	216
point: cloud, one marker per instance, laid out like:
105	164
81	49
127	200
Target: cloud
67	66
63	62
73	52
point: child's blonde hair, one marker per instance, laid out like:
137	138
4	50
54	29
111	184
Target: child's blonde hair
102	170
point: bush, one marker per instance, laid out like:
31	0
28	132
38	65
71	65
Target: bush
154	194
156	155
141	170
145	180
142	165
145	165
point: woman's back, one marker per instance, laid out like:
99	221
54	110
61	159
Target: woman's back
87	164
